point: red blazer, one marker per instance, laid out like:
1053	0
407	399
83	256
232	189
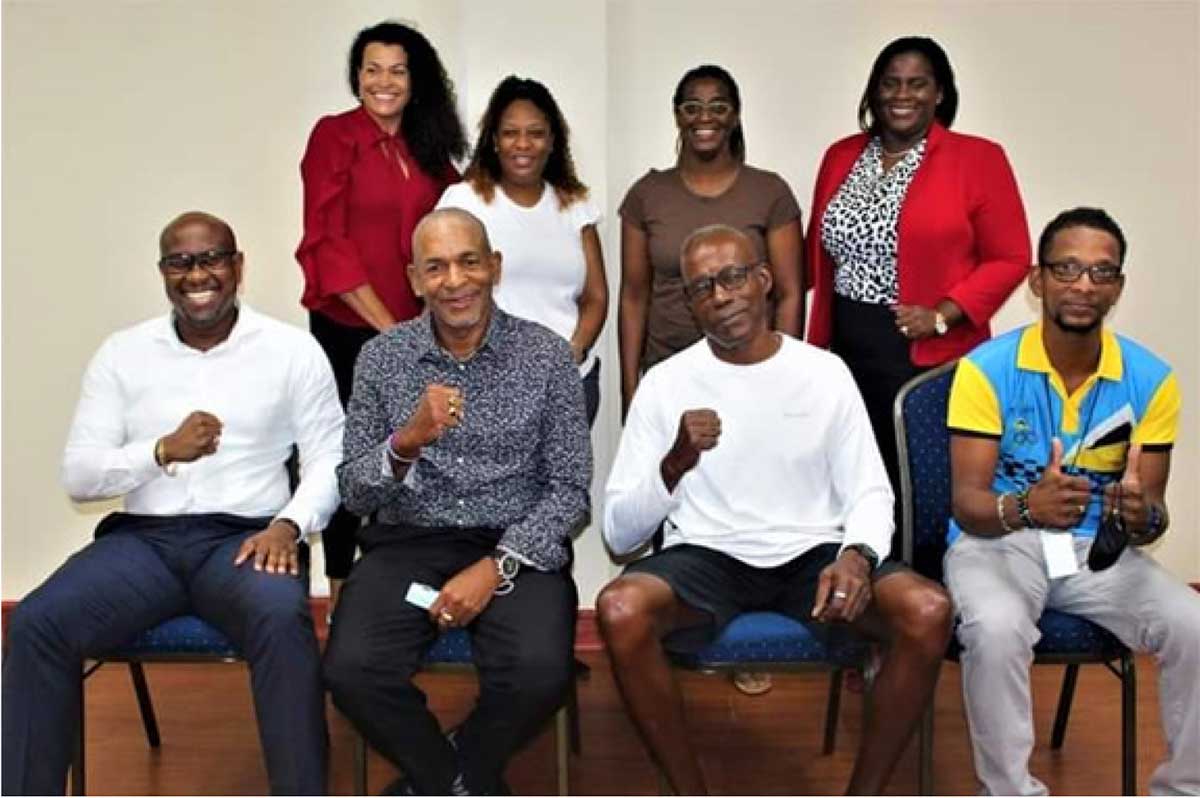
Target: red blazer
962	235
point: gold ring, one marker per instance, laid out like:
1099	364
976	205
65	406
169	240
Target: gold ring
840	594
447	617
1082	509
904	330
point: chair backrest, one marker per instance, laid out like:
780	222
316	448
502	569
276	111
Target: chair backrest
923	446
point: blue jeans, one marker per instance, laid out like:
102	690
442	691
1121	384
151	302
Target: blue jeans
140	571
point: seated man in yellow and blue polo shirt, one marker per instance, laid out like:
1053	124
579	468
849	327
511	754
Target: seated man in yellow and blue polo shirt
1058	428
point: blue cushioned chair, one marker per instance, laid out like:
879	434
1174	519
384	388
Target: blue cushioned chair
923	442
452	652
182	639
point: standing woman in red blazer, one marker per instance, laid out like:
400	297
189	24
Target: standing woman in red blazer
917	234
370	174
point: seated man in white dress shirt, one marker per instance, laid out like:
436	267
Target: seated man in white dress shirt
191	417
754	452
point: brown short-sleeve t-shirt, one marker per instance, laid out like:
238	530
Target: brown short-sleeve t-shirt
663	207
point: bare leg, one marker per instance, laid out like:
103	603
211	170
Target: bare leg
635	611
912	615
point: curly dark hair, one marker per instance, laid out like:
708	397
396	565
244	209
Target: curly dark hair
484	171
868	114
430	124
737	137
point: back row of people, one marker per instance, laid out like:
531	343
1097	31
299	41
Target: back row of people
467	446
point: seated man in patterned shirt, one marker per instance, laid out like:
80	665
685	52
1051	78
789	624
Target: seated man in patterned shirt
466	442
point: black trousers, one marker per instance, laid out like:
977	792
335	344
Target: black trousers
522	645
140	571
866	338
341	343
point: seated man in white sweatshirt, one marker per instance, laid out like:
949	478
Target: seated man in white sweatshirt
754	453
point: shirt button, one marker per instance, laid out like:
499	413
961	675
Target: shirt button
461	502
462	367
460	461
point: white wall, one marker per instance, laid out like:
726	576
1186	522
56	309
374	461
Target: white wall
119	115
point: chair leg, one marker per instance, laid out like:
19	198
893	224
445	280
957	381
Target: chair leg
1128	725
78	763
562	748
360	764
925	752
832	710
149	720
1065	697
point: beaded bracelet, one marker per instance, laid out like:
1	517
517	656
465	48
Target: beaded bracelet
1000	513
1023	510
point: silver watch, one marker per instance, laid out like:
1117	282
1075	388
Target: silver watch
507	566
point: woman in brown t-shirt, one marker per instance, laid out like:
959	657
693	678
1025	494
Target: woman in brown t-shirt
709	184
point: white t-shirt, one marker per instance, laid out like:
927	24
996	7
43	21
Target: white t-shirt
543	268
796	464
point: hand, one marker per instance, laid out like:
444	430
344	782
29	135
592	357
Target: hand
466	595
914	321
1127	496
699	431
197	436
843	589
439	408
275	550
1058	500
578	352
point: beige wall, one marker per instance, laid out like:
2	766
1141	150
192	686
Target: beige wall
118	115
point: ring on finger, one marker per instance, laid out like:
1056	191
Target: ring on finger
904	330
446	617
841	594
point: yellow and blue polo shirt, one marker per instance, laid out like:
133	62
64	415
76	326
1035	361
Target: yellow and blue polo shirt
1006	389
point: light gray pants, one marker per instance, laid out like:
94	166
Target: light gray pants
1000	587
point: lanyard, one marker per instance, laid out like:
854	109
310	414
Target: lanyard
1093	400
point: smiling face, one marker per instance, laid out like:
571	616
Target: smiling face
523	143
731	318
204	298
1079	306
907	97
706	117
454	271
384	84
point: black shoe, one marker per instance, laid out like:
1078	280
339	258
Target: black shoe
401	786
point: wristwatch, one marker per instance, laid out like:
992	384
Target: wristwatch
867	553
507	568
939	323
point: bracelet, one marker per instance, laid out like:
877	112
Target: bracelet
1023	510
1000	513
160	458
395	456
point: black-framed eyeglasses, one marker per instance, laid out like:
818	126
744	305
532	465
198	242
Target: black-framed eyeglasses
1069	271
730	278
692	109
180	263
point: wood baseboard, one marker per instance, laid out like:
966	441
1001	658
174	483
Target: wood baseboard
587	635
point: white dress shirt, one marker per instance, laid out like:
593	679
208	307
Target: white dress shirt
270	385
795	466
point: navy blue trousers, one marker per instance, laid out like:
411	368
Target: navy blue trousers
140	571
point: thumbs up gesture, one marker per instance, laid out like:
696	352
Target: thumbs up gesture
1127	497
1059	500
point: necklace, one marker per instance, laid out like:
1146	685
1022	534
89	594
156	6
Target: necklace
898	154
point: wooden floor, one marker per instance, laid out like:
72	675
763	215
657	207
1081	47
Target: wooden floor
764	745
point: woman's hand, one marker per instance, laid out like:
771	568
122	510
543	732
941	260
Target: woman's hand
917	321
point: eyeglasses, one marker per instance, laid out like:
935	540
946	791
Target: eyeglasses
179	264
692	109
730	278
1069	271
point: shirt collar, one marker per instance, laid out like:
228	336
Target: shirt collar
248	323
493	336
1031	354
369	133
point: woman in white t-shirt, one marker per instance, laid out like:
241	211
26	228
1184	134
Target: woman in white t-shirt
521	183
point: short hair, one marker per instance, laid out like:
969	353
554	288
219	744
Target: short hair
430	124
737	138
462	215
702	234
1094	218
192	217
484	171
943	73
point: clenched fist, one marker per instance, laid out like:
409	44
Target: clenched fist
197	436
439	408
699	431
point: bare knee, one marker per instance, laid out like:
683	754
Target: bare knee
625	615
923	618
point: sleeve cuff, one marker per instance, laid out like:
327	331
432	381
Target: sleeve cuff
139	455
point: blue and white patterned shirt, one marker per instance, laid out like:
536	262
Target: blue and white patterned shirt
520	460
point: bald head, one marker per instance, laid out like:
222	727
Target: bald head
220	228
714	233
439	222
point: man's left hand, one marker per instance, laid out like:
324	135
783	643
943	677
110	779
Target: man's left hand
843	589
274	550
1127	497
466	595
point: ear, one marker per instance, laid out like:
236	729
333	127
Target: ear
763	270
414	281
238	261
497	258
1035	280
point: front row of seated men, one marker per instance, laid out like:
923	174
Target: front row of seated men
467	448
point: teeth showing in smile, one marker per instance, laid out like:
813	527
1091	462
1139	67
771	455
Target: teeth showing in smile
200	297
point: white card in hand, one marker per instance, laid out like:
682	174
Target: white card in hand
1059	550
421	595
